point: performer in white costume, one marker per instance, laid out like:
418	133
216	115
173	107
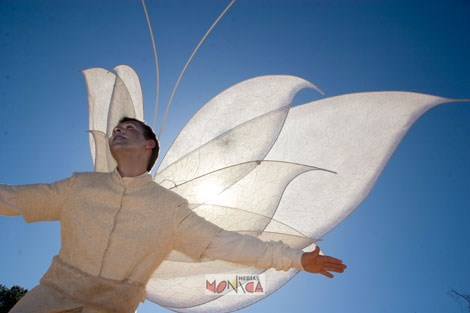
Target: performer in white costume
118	227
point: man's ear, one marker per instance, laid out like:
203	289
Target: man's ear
151	144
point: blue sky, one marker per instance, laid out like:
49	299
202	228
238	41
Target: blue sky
405	245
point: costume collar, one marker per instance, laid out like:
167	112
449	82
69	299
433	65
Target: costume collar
143	179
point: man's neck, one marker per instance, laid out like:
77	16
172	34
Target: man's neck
131	167
130	172
131	163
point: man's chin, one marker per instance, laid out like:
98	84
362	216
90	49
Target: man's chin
118	142
116	146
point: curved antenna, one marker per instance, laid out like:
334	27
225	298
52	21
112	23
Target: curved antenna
187	63
157	75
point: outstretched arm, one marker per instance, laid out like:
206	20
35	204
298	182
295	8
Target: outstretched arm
313	262
248	250
38	202
200	238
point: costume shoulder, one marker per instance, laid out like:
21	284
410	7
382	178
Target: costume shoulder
91	175
91	178
170	195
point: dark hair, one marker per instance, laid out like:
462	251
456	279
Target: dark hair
148	135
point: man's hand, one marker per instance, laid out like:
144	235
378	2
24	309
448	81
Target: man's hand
313	262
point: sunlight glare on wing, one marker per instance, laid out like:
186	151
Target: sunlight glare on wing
207	191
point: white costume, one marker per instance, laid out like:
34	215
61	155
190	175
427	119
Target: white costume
115	233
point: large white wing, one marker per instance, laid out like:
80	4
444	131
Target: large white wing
354	135
236	161
250	162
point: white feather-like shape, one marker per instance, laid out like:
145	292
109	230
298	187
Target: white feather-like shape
248	158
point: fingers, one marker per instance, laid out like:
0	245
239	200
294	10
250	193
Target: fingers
325	258
316	252
338	268
313	262
331	259
325	273
333	262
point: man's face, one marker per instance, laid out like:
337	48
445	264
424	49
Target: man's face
128	135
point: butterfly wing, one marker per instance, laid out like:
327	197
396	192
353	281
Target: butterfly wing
250	162
237	178
354	135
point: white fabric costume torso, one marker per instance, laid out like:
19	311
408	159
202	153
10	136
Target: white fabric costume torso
116	231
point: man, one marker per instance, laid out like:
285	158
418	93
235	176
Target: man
118	227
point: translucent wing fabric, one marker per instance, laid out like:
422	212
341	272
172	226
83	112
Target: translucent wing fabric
110	97
250	162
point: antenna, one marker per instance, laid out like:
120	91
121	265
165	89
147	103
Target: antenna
157	78
187	63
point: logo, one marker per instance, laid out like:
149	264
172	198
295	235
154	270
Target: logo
235	284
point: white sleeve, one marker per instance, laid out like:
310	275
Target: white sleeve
36	202
8	201
248	250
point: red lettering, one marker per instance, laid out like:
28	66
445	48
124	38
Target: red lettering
210	286
221	286
259	288
249	287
